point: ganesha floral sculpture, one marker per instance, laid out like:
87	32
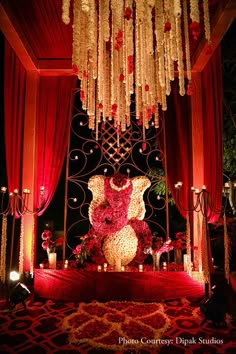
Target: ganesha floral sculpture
116	214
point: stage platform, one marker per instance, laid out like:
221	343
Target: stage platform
147	286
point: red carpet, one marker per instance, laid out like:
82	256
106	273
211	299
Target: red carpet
39	329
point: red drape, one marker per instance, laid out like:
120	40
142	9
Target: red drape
14	101
212	92
53	125
177	121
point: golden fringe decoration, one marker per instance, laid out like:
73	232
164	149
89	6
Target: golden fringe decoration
205	260
3	250
32	260
21	255
226	250
198	254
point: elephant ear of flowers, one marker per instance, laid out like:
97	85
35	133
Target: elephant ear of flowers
96	186
137	206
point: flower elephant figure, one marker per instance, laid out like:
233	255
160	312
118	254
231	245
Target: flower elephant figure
116	212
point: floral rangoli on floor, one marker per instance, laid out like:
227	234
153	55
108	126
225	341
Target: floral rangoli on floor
115	325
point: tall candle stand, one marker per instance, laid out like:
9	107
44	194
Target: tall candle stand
15	205
201	202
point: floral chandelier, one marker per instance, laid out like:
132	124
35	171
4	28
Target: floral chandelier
132	46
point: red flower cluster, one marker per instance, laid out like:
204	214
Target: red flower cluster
48	242
119	40
195	29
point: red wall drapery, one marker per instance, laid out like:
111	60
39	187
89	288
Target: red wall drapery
53	126
212	93
177	120
179	144
14	101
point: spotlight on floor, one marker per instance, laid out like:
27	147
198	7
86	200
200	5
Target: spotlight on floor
18	295
14	275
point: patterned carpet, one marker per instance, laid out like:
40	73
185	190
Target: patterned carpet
52	327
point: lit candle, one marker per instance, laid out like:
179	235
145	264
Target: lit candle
105	266
99	268
140	267
122	268
41	266
164	265
26	191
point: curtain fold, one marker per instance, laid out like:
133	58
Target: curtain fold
14	101
177	121
53	126
212	103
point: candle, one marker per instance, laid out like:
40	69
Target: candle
41	266
99	268
26	191
66	264
105	267
122	268
186	262
164	265
3	189
140	267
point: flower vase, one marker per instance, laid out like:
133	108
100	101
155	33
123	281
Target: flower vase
178	256
52	258
156	261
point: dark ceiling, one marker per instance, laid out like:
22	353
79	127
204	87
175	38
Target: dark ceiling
36	30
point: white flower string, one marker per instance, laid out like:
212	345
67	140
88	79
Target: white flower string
3	250
131	46
21	255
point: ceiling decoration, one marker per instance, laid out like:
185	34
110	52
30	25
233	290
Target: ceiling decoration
126	47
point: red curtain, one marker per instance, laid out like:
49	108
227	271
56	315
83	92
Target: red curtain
212	103
177	127
53	126
14	101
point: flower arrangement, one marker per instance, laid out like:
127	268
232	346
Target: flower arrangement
89	247
49	244
180	241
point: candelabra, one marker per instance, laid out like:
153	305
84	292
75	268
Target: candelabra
202	202
15	205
